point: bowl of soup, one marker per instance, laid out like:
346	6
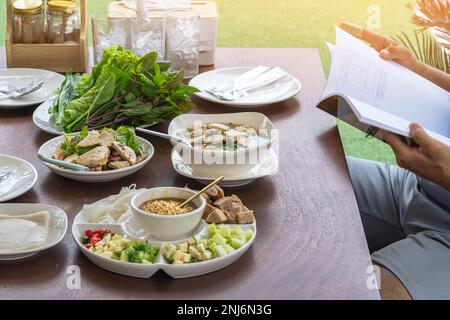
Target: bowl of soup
159	212
223	144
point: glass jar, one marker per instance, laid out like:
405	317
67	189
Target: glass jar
29	21
63	22
183	41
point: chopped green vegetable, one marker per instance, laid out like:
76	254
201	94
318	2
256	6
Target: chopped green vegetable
219	242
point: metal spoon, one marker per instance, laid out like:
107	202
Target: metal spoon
64	164
5	176
164	135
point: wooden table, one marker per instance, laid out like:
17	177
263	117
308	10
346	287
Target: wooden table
310	242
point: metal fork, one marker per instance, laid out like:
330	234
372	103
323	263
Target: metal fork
20	92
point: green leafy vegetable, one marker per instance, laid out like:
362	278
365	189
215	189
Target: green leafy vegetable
123	89
126	135
67	93
69	146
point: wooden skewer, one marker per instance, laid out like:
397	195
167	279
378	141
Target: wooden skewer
201	191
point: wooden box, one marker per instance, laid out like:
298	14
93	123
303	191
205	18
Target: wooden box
55	57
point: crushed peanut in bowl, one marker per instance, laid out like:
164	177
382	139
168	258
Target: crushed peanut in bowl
166	207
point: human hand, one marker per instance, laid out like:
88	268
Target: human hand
388	48
431	160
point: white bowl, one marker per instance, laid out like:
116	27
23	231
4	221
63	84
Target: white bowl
48	149
167	227
218	162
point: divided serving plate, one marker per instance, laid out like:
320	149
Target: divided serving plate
130	228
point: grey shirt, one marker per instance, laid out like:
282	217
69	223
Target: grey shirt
435	192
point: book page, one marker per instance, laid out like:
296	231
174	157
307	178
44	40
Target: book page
359	73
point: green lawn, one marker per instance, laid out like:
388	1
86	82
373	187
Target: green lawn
298	23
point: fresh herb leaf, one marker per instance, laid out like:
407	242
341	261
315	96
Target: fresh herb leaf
127	136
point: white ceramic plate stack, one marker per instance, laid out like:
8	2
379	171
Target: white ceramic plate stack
57	227
17	176
281	90
48	149
131	229
234	176
19	77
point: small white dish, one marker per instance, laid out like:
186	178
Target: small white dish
48	149
22	76
268	167
225	163
166	227
131	229
17	177
42	119
281	90
57	226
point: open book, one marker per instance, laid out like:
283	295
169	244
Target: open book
366	91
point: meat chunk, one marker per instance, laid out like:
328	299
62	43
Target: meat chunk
219	126
72	158
230	204
215	193
208	209
107	136
118	164
217	216
231	217
94	158
125	152
91	140
245	217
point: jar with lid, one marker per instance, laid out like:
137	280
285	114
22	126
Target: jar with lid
29	21
63	22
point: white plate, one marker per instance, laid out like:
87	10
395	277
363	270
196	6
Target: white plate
268	167
42	119
57	226
131	229
21	77
22	178
48	149
289	85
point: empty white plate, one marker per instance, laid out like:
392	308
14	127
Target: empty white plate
281	90
17	176
268	167
57	226
18	77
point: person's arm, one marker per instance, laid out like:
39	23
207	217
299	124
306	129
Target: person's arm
431	160
391	50
436	76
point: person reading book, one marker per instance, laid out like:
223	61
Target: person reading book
406	209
